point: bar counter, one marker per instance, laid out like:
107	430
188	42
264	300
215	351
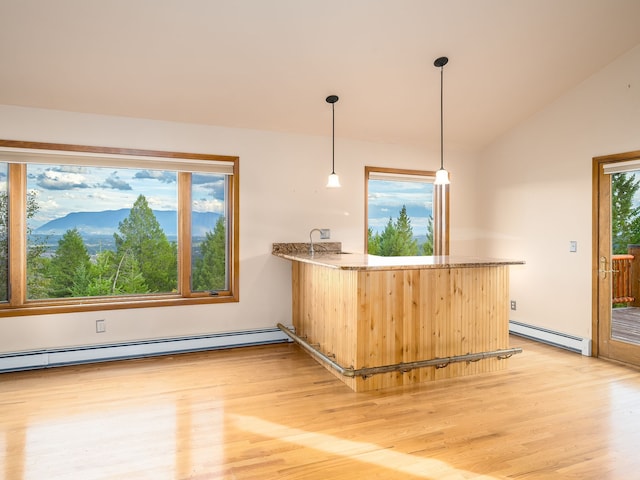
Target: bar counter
378	322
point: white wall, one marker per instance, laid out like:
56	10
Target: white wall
536	191
529	198
282	197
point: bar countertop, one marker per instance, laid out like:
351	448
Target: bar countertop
330	255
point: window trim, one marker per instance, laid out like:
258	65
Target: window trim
19	305
440	204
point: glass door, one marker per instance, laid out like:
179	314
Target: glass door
617	257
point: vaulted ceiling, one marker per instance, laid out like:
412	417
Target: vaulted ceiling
269	64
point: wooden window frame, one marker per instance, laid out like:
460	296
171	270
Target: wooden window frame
18	304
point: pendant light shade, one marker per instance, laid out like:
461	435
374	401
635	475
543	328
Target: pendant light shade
334	180
442	176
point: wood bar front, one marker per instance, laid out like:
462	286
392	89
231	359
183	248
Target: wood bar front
363	316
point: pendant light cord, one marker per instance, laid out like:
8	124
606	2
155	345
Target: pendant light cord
441	120
333	178
333	138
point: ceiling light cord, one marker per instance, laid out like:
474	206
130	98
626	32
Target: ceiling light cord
333	180
442	176
333	138
441	118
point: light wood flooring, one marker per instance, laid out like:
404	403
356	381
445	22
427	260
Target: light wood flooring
273	413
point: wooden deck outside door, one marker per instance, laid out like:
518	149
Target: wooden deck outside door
603	343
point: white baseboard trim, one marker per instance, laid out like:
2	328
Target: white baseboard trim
551	337
120	351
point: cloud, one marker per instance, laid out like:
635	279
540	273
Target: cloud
115	182
205	178
61	178
208	205
160	175
161	203
208	188
72	169
392	195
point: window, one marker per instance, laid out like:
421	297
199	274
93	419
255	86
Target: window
86	228
399	212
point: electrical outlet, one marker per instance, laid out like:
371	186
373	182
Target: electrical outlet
101	326
513	304
325	234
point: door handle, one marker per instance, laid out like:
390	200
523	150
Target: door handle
603	268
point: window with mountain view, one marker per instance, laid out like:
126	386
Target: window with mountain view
101	231
399	212
114	227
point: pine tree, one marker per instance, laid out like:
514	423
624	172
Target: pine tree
405	244
99	279
209	272
37	264
128	278
70	261
373	242
427	247
396	239
142	237
110	276
387	243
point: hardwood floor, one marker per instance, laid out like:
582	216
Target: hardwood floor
240	414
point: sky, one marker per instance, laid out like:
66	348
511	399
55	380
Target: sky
386	199
64	189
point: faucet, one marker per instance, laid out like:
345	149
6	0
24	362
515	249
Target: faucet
311	239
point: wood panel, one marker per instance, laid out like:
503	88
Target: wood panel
370	318
324	306
18	238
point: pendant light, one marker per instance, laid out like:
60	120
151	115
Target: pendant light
334	181
442	176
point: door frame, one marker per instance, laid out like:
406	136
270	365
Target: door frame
602	345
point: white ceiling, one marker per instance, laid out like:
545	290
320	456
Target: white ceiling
269	64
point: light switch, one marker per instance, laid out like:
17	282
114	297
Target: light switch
573	246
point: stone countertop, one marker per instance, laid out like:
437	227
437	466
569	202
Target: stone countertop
333	257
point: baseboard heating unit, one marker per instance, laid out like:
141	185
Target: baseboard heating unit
551	337
147	348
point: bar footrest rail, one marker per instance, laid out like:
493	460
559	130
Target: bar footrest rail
403	366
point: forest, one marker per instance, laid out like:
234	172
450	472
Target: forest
397	238
143	261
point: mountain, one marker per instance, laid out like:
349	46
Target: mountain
107	221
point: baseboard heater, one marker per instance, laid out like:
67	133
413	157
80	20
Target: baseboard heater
147	348
551	337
